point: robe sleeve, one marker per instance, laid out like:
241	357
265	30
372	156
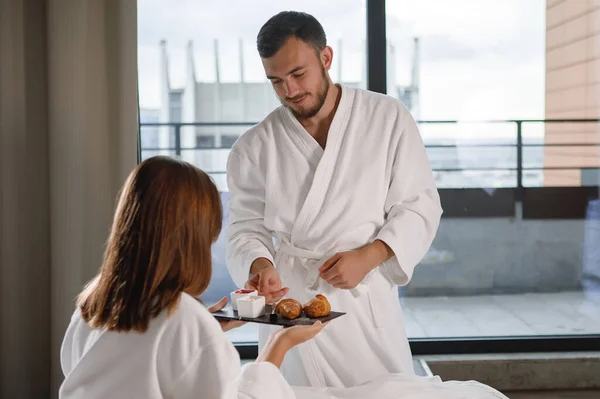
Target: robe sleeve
247	237
215	373
412	205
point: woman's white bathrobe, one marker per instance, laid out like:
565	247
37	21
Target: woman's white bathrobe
185	355
296	204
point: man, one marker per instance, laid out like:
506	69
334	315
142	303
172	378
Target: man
340	179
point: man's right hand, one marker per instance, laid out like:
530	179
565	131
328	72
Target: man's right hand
266	281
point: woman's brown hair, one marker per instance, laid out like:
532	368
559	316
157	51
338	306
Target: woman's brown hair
168	216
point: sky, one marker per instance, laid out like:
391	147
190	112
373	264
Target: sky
480	59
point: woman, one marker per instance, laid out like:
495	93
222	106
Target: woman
138	331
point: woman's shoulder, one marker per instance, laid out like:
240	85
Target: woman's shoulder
192	323
185	336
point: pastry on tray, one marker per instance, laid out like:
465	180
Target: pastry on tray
289	308
317	307
288	312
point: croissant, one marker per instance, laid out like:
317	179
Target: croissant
317	307
289	308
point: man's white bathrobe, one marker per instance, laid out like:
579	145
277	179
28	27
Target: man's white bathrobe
182	355
372	181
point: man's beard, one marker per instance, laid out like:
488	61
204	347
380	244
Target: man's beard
321	96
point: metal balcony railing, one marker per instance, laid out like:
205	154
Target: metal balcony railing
518	143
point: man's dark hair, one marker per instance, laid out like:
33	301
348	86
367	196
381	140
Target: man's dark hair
277	30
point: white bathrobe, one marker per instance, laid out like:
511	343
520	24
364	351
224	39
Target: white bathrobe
296	204
185	355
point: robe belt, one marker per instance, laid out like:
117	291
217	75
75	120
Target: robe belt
312	261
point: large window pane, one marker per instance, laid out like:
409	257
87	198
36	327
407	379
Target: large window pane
535	271
198	64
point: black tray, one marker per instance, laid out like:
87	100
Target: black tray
274	319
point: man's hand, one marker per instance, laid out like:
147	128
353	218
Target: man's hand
225	325
266	281
346	270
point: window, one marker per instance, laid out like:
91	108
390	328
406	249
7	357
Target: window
527	265
150	137
209	76
590	177
227	140
507	98
203	141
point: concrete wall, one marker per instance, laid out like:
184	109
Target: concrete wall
572	87
500	256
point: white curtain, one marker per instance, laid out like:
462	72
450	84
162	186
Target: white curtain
68	138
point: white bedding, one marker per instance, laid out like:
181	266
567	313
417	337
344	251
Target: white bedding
396	386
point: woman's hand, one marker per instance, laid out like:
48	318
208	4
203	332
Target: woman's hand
285	339
298	334
225	325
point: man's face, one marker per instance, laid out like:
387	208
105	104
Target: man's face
299	76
